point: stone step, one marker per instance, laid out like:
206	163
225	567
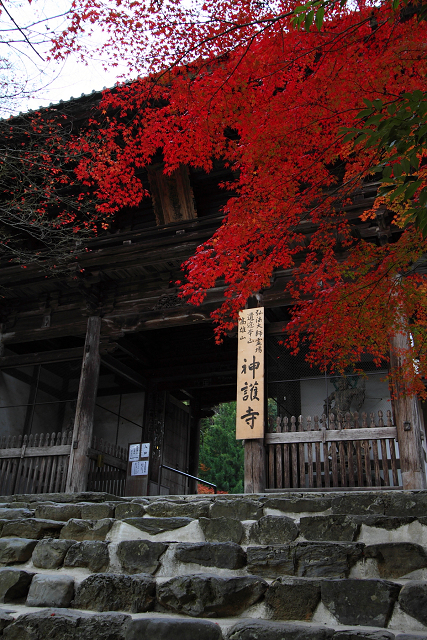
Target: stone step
267	567
366	529
69	624
345	601
268	529
396	560
243	507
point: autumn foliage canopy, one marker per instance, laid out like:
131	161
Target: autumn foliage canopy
304	103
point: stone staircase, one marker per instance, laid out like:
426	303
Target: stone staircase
339	566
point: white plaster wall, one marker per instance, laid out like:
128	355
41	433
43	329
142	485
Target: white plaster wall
132	409
13	392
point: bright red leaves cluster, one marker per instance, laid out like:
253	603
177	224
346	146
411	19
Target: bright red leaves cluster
234	79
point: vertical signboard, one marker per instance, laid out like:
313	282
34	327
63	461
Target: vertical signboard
250	375
138	467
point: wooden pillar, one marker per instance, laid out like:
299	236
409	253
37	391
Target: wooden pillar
254	466
154	428
194	445
409	421
78	467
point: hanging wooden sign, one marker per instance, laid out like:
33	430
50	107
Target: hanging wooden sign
250	375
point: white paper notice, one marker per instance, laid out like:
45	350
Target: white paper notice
145	450
134	450
139	468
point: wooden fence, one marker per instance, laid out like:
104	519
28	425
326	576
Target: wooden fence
342	451
34	464
39	464
108	466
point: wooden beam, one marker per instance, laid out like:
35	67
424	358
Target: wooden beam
123	370
345	435
46	357
78	467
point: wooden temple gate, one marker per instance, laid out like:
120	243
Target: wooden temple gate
336	453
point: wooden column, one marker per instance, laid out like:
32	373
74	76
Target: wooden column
78	467
409	422
194	444
154	428
254	466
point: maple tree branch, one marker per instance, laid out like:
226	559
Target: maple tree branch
21	31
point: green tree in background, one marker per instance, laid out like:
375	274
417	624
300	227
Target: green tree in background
221	457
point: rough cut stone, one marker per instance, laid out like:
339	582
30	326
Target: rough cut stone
386	522
50	553
5	620
16	550
222	529
413	600
408	503
273	530
330	527
326	559
168	509
266	630
140	556
129	510
33	528
395	559
91	554
293	598
161	629
50	591
112	592
14	584
15	514
97	511
64	624
157	525
348	634
223	555
61	512
242	509
86	529
208	596
271	561
298	504
83	496
360	602
359	503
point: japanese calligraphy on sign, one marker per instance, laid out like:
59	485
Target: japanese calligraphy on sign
139	468
250	375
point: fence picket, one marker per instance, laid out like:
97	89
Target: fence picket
279	457
294	453
310	457
341	451
301	456
317	455
286	461
326	465
351	455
